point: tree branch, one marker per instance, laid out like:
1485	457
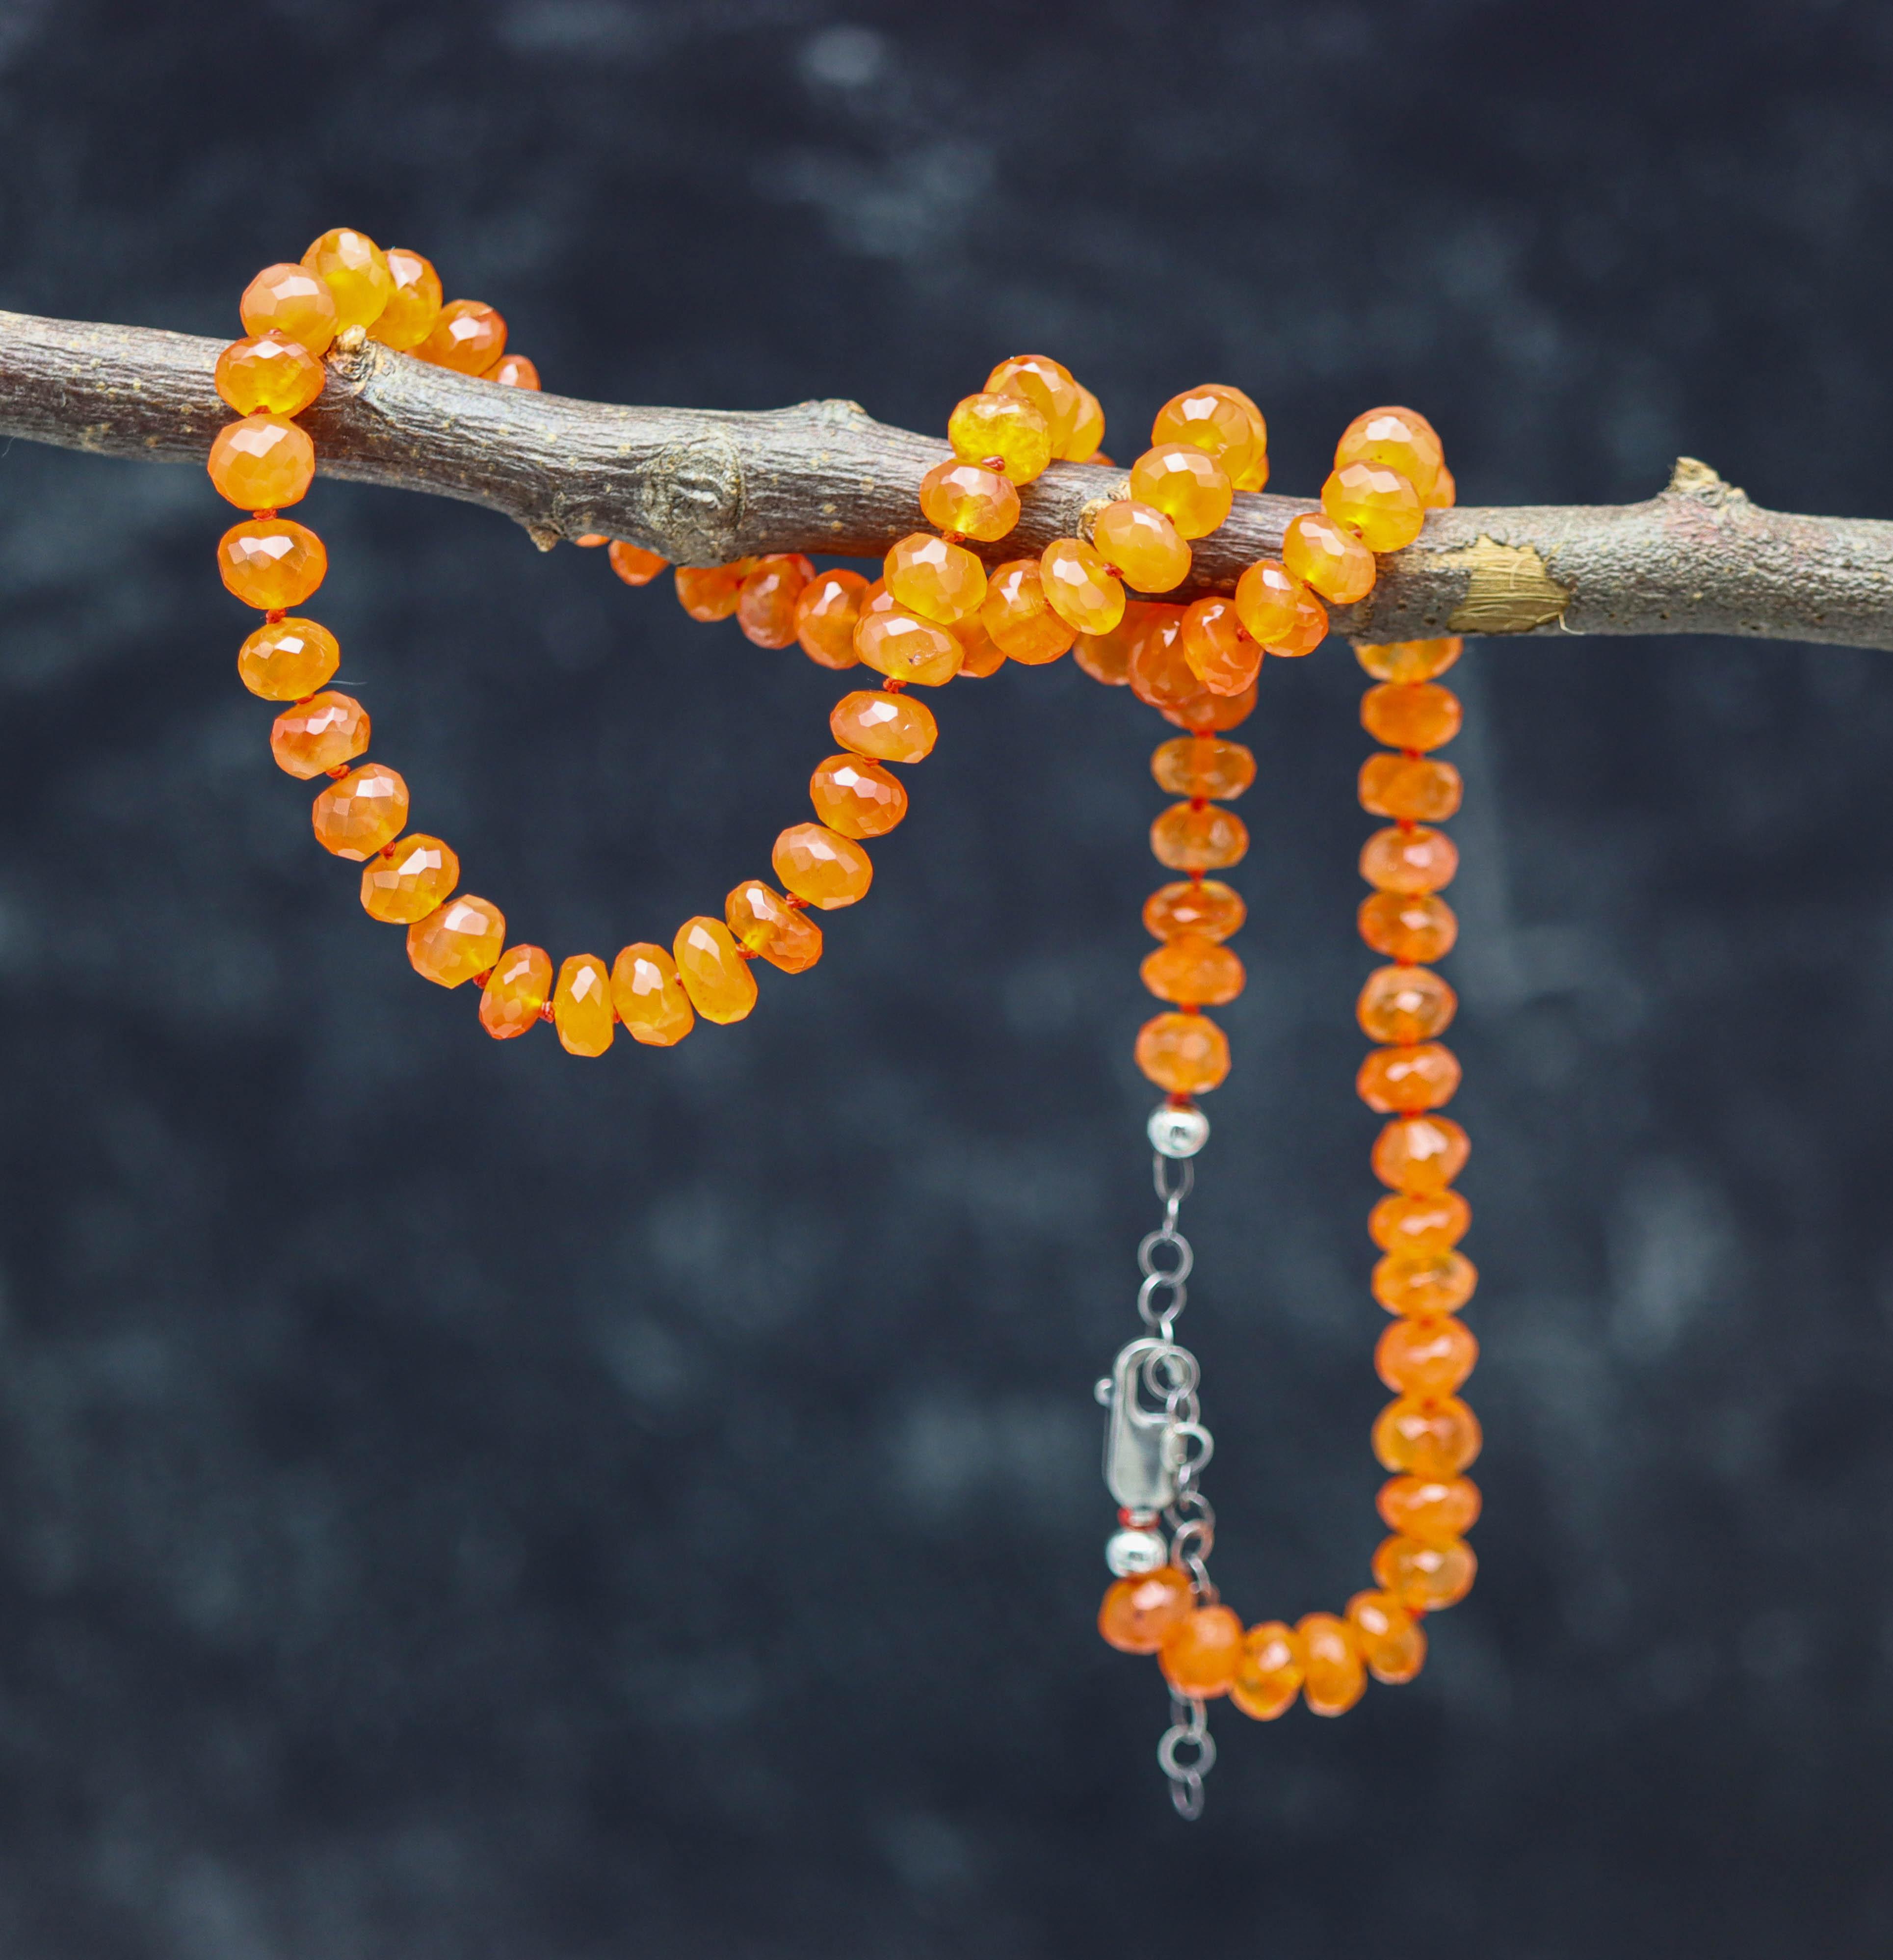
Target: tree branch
703	487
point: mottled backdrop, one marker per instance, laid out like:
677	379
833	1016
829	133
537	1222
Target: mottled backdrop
463	1503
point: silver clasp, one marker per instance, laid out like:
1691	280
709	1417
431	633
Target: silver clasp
1140	1460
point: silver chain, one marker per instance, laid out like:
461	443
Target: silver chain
1189	1729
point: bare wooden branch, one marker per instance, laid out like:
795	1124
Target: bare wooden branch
703	487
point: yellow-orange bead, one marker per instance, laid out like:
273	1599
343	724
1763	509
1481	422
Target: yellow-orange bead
261	462
857	798
1425	1354
1421	1153
1408	861
890	727
1214	420
940	581
714	971
1016	613
649	997
268	375
513	370
1196	973
633	564
1087	428
1405	1004
1269	1676
1047	384
1427	1437
457	942
1256	475
1408	925
1139	1612
467	336
517	989
1389	1640
1187	838
1425	1578
1079	586
1106	656
1377	504
905	647
362	814
1186	1054
1419	789
1222	657
271	563
710	592
1200	908
1407	1282
1334	1678
1159	670
1190	489
1141	543
292	301
1419	1223
320	733
414	301
1005	430
1444	493
826	617
287	661
1397	437
1201	766
1203	713
970	499
1411	714
821	867
581	1005
767	598
1278	611
980	654
409	879
1202	1654
1431	1510
1333	562
354	269
764	923
1408	660
1421	1076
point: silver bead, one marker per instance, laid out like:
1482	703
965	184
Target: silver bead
1128	1552
1177	1132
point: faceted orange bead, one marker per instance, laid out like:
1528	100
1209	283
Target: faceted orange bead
1269	1676
826	617
1396	437
1404	1004
1378	503
355	270
1425	1578
1429	1354
1334	561
1087	428
1389	1640
763	923
767	598
1256	475
1197	972
1142	545
409	879
261	462
890	727
633	564
1427	1437
1220	654
581	1005
1423	1283
940	581
1408	660
1190	489
710	592
1002	431
969	500
292	301
857	798
467	336
1047	384
980	654
1202	907
362	814
714	971
1444	493
1159	672
1419	789
513	370
271	563
649	997
1106	656
268	375
1079	586
1417	1223
1202	1654
1421	1153
1185	1054
289	661
1333	1677
1200	765
1408	926
322	732
1268	597
457	942
1214	421
519	986
1186	839
1411	714
1408	861
905	647
1016	613
819	865
1421	1076
414	304
1139	1612
1203	713
1432	1509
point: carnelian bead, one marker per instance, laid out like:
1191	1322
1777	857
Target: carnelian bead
714	971
457	941
1200	908
1409	862
581	1005
1414	1223
1425	1578
1407	660
1006	429
1411	714
1389	1640
1268	596
1190	489
1186	839
354	269
513	370
826	615
268	375
1334	561
1213	420
1139	543
467	336
763	923
1198	972
970	499
1418	789
1202	713
1047	384
1423	1283
1185	1054
322	732
905	647
1221	655
1200	765
890	727
1106	656
1269	1676
271	563
1405	1003
1159	672
857	798
261	462
767	598
1421	1153
362	814
821	865
1408	925
980	654
1429	1354
292	301
1016	613
1379	504
414	304
1202	1654
710	592
1427	1437
1087	428
649	997
1079	586
517	989
1433	1510
1138	1612
1444	493
1396	437
633	564
408	879
940	581
1333	1677
289	661
1423	1076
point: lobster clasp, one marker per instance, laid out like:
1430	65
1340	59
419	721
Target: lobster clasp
1137	1465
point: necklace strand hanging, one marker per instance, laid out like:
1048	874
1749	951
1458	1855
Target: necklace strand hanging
936	613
